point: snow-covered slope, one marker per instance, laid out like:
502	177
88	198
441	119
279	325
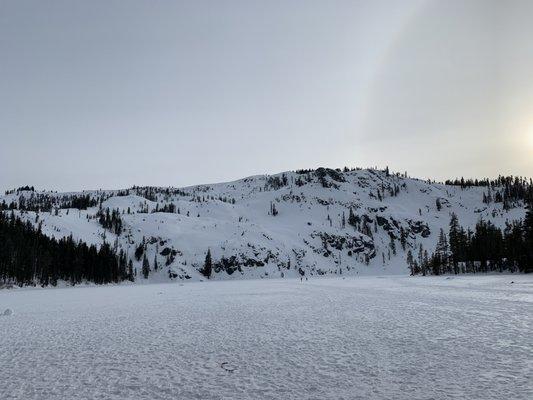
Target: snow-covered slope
282	225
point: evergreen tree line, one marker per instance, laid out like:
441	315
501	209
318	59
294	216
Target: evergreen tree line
166	208
276	182
26	188
45	203
504	189
151	192
110	220
485	249
28	257
499	181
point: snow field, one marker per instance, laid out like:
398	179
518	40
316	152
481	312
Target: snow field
465	337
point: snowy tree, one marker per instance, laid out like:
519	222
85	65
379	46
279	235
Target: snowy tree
156	265
131	277
410	262
145	267
392	245
208	265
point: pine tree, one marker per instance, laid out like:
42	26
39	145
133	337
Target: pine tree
441	252
455	241
139	251
528	240
421	260
352	219
208	265
145	267
392	245
403	238
425	263
131	277
410	262
273	209
366	230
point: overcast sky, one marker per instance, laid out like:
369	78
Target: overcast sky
107	94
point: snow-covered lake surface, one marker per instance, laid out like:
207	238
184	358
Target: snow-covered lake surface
354	338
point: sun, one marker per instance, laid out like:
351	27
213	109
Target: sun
529	136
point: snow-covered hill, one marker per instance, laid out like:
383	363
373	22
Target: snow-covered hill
290	224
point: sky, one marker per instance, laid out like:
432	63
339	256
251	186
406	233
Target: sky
109	94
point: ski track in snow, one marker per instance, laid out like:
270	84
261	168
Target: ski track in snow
463	337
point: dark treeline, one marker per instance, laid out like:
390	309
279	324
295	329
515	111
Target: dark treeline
28	257
504	189
499	181
26	188
485	249
45	202
165	208
79	202
151	192
110	220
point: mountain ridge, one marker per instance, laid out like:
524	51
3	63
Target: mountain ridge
290	224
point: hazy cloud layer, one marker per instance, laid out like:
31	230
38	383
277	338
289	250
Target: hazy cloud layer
109	94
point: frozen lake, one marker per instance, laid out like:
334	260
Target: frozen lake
359	338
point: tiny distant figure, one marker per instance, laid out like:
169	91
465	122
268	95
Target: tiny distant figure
306	278
301	279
